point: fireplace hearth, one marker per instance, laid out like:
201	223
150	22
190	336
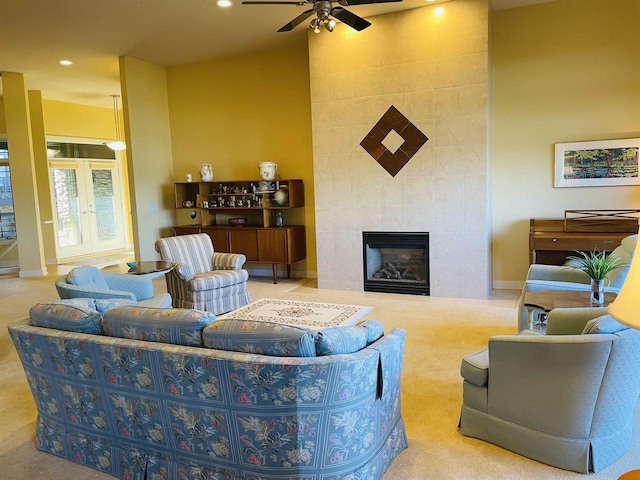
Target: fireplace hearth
396	262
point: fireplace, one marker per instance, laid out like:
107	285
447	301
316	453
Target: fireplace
396	262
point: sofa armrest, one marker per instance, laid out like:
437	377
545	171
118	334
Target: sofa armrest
141	286
571	321
475	368
183	271
228	261
66	290
557	273
391	349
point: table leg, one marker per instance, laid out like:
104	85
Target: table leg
274	266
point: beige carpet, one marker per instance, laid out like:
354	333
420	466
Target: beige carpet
440	332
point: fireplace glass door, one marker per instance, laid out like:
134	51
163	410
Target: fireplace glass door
396	262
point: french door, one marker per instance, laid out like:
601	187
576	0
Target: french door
88	206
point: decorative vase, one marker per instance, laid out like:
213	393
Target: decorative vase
268	170
206	172
597	293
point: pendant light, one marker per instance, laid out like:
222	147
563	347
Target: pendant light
117	144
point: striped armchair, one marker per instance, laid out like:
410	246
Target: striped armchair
204	279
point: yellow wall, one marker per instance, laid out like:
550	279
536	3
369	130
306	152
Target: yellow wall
564	71
3	126
237	112
148	137
73	120
23	181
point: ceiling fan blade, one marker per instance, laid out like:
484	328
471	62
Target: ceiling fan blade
351	19
347	3
297	21
251	2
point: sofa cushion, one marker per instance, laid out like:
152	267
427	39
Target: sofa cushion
217	279
73	315
264	338
603	324
374	330
339	340
167	325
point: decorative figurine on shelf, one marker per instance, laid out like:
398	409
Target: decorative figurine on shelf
206	172
279	219
193	218
281	197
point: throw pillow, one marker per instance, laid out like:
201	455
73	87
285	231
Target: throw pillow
263	338
73	315
374	330
104	304
604	324
339	340
178	326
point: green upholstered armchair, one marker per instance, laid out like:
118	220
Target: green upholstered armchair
555	277
564	400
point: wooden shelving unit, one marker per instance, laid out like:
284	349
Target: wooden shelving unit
260	240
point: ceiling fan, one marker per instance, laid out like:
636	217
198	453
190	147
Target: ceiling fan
324	12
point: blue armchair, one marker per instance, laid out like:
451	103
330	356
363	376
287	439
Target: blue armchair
565	399
90	282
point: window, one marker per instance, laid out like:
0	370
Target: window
7	217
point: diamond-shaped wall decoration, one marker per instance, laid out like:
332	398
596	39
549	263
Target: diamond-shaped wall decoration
413	138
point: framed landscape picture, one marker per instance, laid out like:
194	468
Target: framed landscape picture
597	164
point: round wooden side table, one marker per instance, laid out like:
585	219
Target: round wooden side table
632	475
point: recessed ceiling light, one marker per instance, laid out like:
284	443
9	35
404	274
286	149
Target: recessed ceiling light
224	3
66	63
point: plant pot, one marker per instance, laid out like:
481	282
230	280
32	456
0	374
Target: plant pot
597	293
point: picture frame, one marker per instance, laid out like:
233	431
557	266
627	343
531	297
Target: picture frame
598	163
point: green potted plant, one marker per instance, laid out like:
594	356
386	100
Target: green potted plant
597	264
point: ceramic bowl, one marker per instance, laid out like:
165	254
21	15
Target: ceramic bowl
238	222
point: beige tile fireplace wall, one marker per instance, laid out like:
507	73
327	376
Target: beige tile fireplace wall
434	69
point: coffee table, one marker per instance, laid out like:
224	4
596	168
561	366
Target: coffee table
547	300
313	315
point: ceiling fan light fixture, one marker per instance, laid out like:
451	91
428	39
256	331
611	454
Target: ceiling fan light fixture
329	24
118	144
315	25
224	3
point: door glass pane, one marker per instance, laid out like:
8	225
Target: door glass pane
78	150
65	187
105	204
7	218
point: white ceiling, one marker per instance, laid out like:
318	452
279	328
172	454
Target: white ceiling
36	34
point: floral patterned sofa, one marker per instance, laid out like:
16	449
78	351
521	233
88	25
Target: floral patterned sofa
140	393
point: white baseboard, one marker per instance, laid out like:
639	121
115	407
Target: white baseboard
32	273
507	285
